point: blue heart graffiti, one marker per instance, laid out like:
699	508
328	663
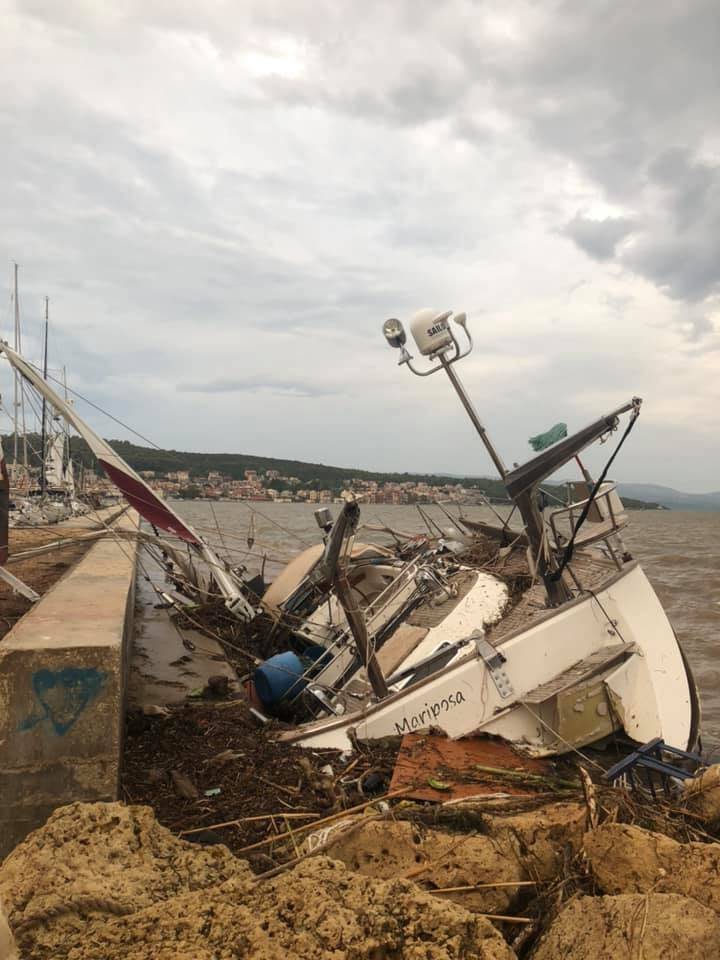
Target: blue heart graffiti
63	695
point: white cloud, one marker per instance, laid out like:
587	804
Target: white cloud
233	197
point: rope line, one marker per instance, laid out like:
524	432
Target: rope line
570	547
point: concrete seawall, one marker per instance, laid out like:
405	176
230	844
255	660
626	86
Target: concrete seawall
63	675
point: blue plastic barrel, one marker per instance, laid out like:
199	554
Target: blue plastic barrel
279	677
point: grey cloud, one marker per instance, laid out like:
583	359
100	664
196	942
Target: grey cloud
630	94
691	187
282	387
679	247
620	91
421	94
598	238
123	225
188	206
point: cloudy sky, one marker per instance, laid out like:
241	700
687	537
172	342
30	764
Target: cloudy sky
224	201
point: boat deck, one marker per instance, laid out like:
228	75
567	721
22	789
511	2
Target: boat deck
591	570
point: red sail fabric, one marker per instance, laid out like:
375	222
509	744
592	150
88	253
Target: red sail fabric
150	507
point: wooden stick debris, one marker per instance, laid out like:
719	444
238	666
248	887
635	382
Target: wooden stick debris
331	819
288	865
485	886
346	771
547	779
291	791
504	919
236	823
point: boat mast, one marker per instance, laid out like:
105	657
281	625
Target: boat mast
16	374
436	341
472	413
43	416
137	492
67	470
19	399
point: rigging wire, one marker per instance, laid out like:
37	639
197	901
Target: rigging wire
291	533
570	547
95	406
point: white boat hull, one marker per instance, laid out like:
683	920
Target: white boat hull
649	693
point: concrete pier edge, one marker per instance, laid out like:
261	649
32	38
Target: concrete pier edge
63	682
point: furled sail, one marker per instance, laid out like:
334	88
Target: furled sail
54	465
4	507
137	493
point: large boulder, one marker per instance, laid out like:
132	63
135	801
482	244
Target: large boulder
106	882
701	795
543	839
387	849
627	859
319	910
94	860
8	947
654	926
518	848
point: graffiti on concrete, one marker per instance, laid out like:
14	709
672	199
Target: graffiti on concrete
62	695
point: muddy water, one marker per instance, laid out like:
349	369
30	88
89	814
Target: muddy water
680	553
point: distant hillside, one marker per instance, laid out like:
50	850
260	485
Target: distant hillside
667	497
313	476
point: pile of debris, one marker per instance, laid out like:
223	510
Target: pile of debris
601	873
214	773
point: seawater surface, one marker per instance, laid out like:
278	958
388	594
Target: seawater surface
680	552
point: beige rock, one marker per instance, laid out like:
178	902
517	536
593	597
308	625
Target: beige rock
8	948
320	910
655	926
627	859
702	795
101	859
544	838
527	846
391	849
105	882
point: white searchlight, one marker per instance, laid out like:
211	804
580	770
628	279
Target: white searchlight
394	332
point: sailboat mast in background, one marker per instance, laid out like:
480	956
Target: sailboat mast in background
43	416
19	387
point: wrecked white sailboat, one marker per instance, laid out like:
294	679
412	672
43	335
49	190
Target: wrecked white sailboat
369	642
585	652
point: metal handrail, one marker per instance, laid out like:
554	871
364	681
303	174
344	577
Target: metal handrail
607	527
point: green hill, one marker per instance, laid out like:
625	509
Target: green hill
313	476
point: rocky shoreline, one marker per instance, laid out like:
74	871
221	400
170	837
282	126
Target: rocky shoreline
463	881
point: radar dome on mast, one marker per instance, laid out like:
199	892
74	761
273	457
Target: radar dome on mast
431	332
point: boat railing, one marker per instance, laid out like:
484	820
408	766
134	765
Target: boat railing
606	517
340	654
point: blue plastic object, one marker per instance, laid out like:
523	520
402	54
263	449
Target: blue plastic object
280	677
